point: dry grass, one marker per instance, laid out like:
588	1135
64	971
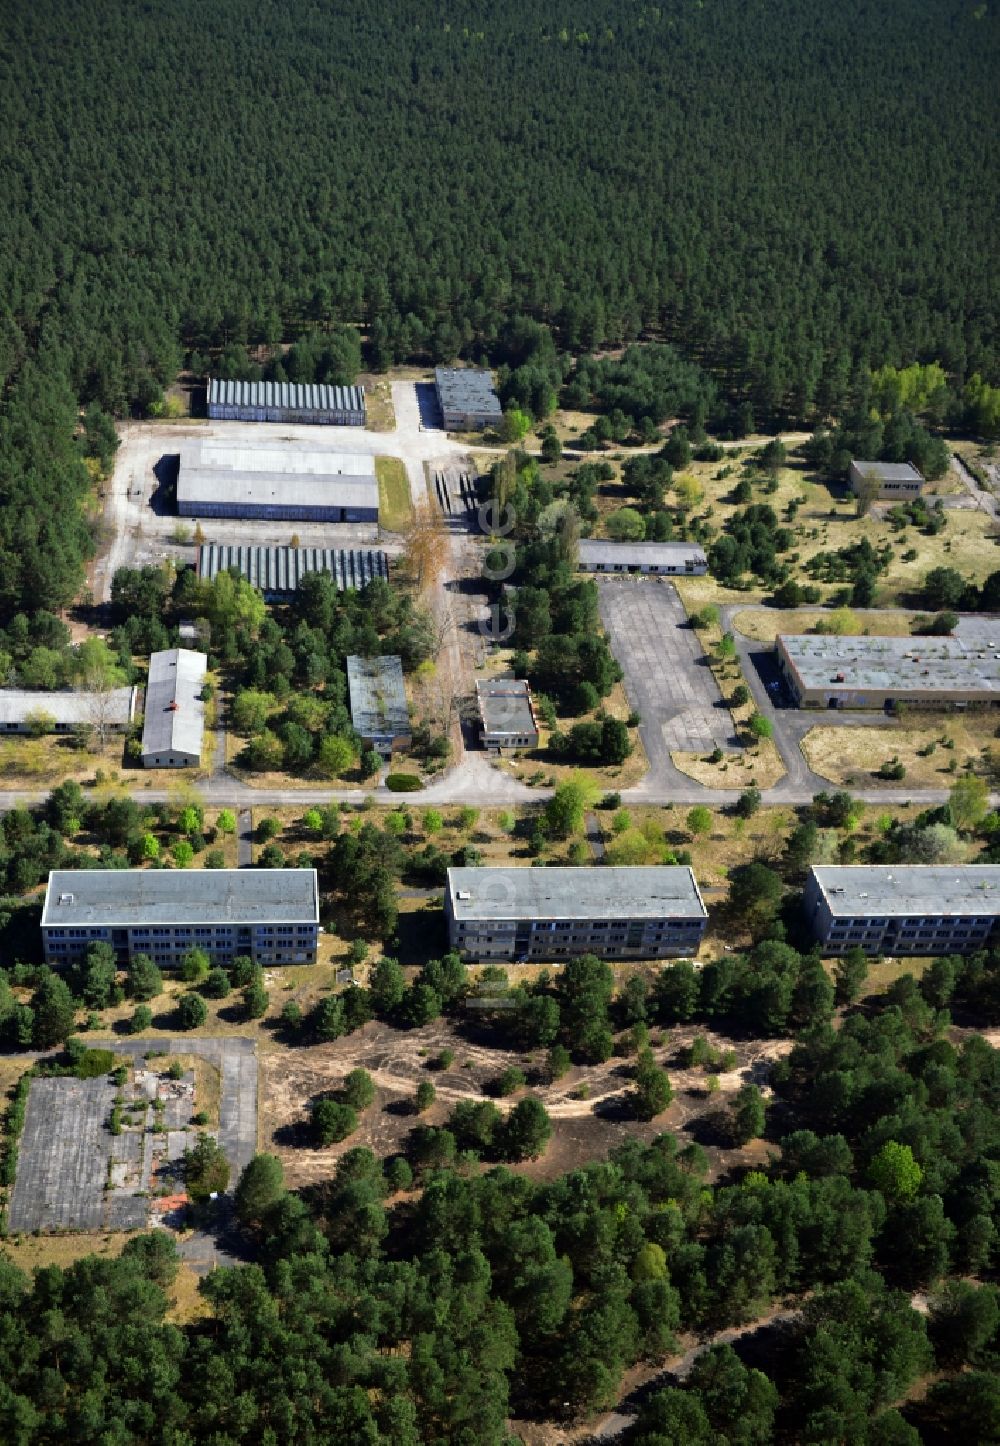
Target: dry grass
394	503
207	1083
852	755
613	778
36	762
762	625
760	764
381	416
30	1252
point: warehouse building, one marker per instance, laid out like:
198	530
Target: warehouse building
277	483
467	398
173	725
278	571
270	914
924	909
868	672
285	402
506	715
899	481
678	558
533	914
22	711
379	712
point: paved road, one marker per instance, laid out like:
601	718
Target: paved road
244	839
595	836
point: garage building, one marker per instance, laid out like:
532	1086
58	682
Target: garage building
286	402
173	726
467	398
288	483
899	481
678	558
869	672
278	571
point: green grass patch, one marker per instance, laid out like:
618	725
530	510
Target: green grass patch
394	505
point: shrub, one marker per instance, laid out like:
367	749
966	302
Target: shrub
142	1018
332	1121
510	1081
357	1091
403	783
191	1011
92	1063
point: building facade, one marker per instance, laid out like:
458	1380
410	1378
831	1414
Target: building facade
922	909
899	481
278	571
506	715
173	724
22	711
534	914
276	483
379	712
286	402
270	914
957	671
683	559
467	399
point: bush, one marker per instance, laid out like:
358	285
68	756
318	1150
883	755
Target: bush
191	1011
332	1121
357	1091
217	985
142	1018
403	783
255	1001
510	1081
425	1096
92	1063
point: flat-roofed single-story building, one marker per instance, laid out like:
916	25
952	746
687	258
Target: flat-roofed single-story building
823	671
684	559
923	909
379	711
270	914
173	724
529	914
315	403
24	711
506	714
467	398
281	483
896	480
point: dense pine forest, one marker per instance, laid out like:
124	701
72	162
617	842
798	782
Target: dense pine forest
786	192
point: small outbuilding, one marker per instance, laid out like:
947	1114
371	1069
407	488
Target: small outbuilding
379	711
506	715
173	728
899	481
678	559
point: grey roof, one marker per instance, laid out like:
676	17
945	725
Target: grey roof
872	890
593	550
467	389
918	664
281	569
575	893
505	706
174	714
114	709
378	696
287	395
180	896
214	471
889	471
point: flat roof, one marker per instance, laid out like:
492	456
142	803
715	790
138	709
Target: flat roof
505	706
281	569
889	471
174	712
634	554
314	397
917	664
467	389
218	471
575	893
17	705
127	897
378	696
909	889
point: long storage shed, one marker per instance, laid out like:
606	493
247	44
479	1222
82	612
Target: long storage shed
286	402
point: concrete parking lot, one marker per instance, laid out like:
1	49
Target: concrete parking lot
667	677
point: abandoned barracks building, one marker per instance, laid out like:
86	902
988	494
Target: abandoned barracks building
379	712
23	711
899	481
903	908
528	914
278	571
288	483
270	914
286	402
173	723
959	671
683	559
506	715
467	399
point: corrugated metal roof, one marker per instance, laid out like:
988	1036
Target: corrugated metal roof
174	715
113	709
183	896
662	891
288	396
871	890
281	569
378	696
467	389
